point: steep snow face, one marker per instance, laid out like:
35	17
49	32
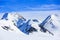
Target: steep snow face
52	23
18	21
5	16
11	16
13	21
10	25
15	17
35	23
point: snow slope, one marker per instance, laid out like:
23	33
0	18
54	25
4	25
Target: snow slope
16	34
52	24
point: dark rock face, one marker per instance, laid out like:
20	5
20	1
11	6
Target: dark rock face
5	27
43	23
42	28
32	30
5	16
25	27
35	20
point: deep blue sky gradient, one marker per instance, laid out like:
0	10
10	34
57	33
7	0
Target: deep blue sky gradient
29	2
28	5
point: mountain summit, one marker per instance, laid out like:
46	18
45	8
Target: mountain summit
50	24
18	21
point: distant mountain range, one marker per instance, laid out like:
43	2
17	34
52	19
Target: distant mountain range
50	24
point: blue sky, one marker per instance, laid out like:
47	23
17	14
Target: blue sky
29	5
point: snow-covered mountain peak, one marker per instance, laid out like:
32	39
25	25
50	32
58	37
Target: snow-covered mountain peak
15	17
9	20
17	21
14	26
54	16
12	16
51	24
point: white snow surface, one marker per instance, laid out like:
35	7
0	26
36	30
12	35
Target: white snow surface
55	19
16	34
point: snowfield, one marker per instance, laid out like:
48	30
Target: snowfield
15	34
